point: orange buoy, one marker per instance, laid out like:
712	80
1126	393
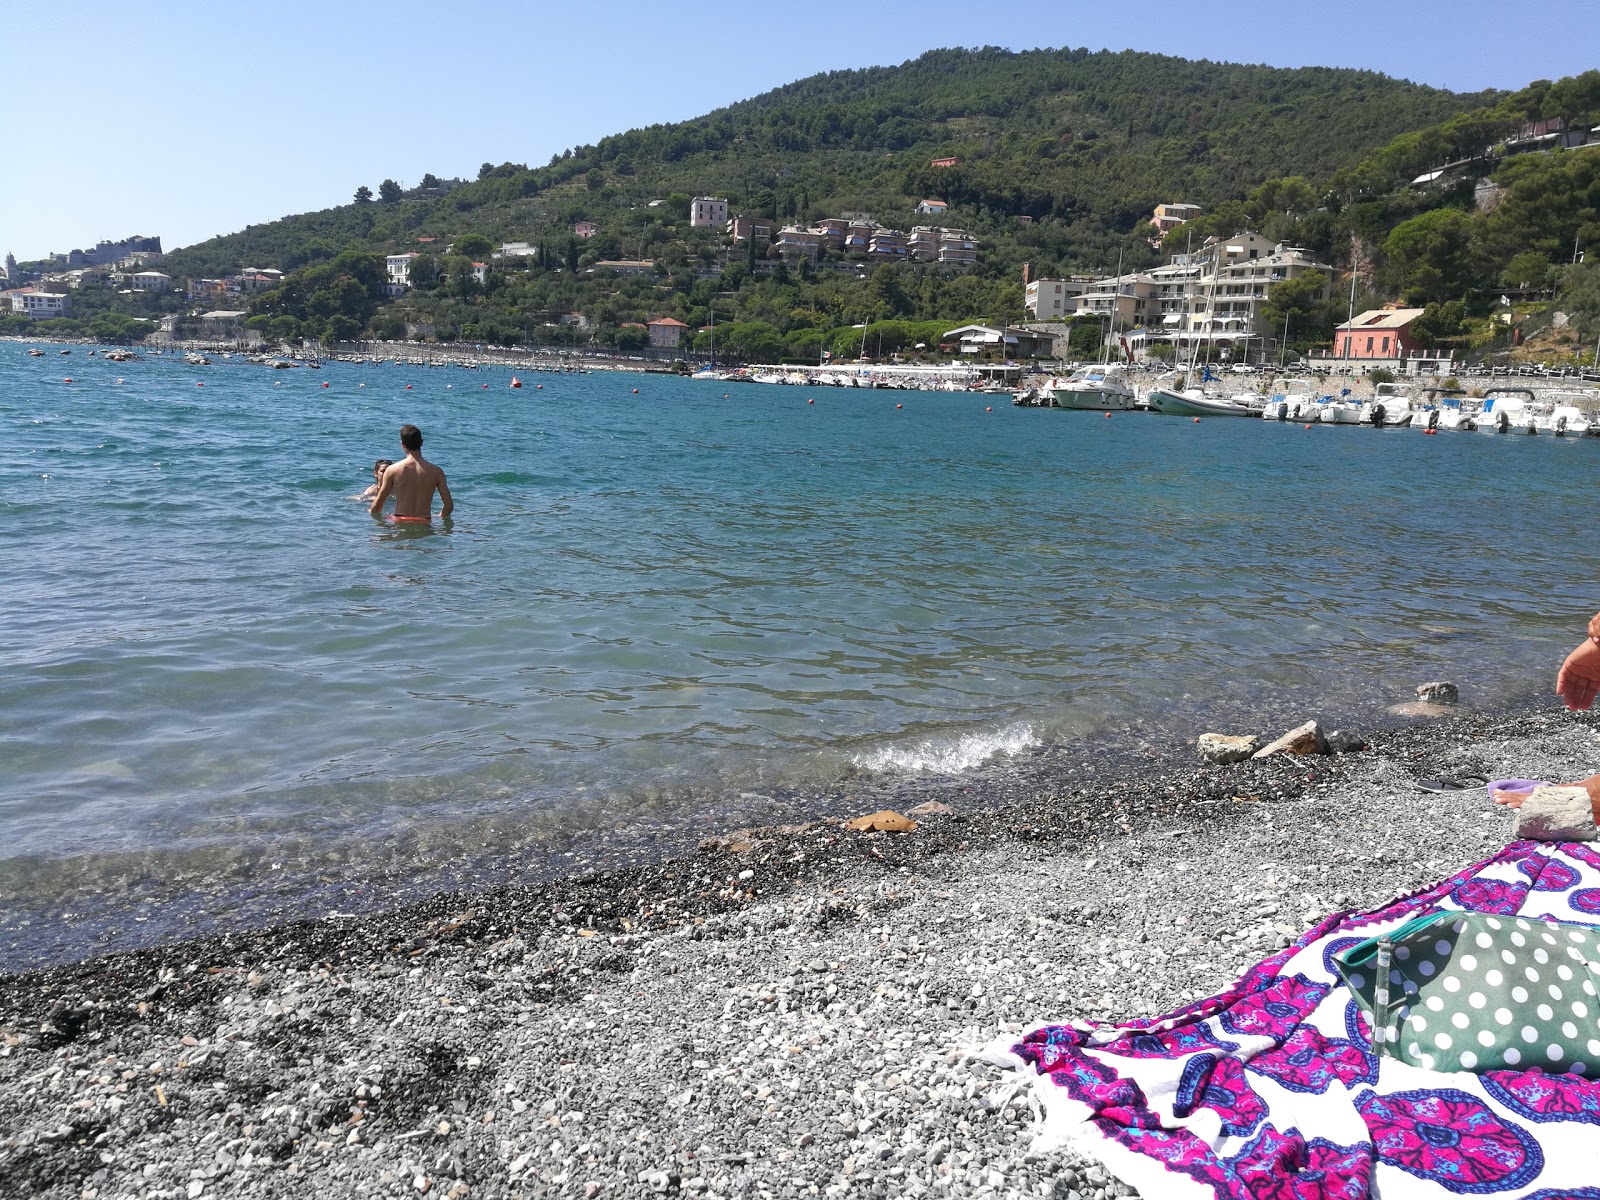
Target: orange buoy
197	383
68	379
515	382
810	401
1197	420
899	405
324	383
1308	427
989	409
1108	416
408	387
538	387
486	385
635	391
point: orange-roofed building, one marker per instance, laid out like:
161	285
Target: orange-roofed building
666	332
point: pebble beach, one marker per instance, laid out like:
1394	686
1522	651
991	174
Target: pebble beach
786	1012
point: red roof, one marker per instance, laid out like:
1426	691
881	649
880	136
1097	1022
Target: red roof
668	321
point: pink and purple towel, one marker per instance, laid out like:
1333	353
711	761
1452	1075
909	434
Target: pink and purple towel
1270	1091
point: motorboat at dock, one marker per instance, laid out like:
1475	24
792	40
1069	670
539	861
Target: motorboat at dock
1506	411
1572	414
1293	407
1389	408
1098	388
1193	402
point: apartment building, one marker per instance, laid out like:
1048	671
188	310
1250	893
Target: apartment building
743	227
39	306
1213	295
795	243
923	244
833	230
957	248
887	245
708	211
1052	299
1168	217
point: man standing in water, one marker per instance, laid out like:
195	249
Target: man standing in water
412	482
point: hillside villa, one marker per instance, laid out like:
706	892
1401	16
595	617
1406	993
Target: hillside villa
666	332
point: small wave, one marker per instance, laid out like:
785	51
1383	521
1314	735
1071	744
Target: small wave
947	756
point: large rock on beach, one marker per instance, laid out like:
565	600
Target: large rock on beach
1302	739
1342	741
1227	748
1557	814
884	821
1438	692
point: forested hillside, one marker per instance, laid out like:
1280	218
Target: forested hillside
1084	144
1093	140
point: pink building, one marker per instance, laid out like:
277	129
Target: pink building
666	332
1379	333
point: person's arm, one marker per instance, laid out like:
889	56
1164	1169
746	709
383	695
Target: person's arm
383	493
449	505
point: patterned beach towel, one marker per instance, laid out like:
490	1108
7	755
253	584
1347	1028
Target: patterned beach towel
1270	1091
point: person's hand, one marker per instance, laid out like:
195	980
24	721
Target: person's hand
1579	677
1594	627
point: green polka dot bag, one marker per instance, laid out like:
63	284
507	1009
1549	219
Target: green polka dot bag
1464	991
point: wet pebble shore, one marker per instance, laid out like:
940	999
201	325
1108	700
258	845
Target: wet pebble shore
786	1013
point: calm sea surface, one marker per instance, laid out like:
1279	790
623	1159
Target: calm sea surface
228	693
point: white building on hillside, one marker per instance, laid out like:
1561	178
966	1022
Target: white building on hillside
708	211
1052	299
1211	297
39	306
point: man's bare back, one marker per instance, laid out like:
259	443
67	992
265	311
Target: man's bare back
412	482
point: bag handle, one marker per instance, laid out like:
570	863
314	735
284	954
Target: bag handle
1382	1005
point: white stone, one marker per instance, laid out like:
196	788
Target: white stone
1556	814
1222	748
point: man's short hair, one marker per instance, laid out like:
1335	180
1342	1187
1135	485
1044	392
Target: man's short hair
383	464
411	439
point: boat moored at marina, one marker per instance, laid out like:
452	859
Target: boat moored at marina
1099	387
1193	402
1293	407
1508	410
1389	408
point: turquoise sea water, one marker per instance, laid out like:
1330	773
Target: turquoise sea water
696	603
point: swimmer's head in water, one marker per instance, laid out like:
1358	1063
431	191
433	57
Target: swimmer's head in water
382	465
411	439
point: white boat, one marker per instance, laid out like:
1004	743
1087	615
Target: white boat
1098	387
1339	412
1192	402
1293	407
1506	411
1388	408
1564	420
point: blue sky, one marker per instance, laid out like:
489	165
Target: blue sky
191	119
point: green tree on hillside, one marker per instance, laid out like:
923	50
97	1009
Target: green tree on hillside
1439	323
363	194
474	245
1432	256
1299	302
389	191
